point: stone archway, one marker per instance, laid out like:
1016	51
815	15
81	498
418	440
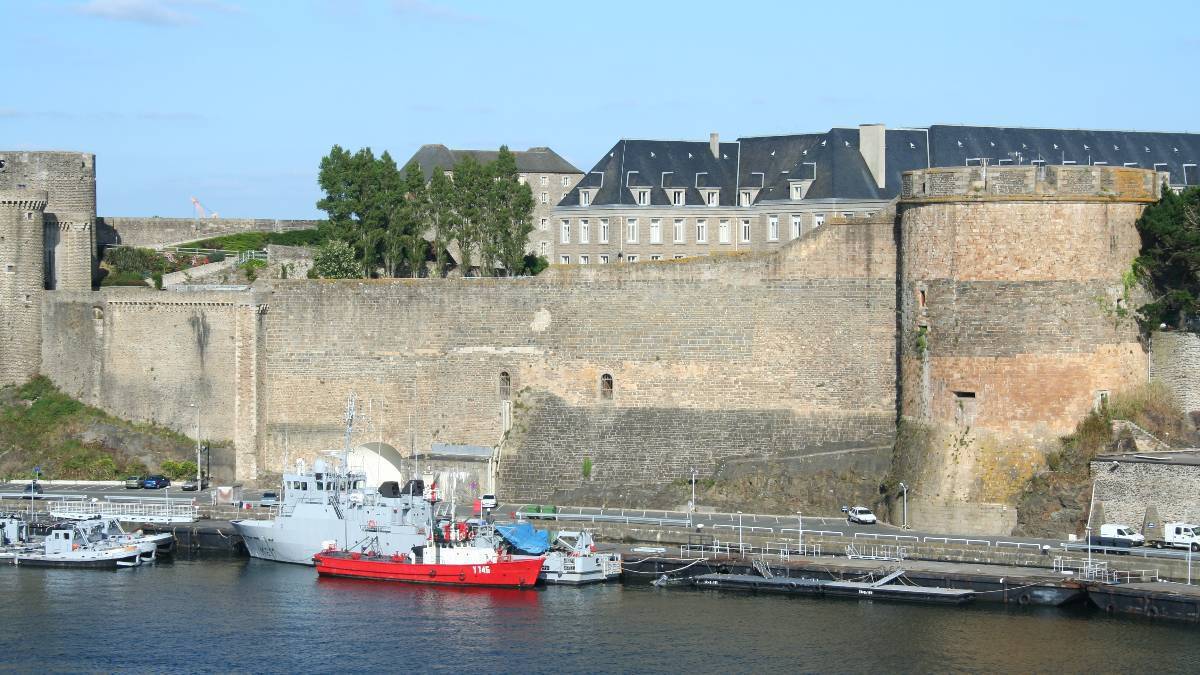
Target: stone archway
381	462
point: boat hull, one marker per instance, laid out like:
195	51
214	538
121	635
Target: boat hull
510	572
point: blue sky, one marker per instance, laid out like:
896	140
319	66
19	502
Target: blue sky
235	101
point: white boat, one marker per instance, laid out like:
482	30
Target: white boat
85	543
575	561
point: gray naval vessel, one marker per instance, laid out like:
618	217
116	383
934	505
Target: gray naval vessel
325	508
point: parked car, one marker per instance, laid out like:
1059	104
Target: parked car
134	482
269	499
32	491
487	502
861	515
192	485
155	482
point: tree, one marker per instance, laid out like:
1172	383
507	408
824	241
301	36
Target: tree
442	218
362	194
468	202
509	218
1169	262
336	260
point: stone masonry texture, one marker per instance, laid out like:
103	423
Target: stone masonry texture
21	276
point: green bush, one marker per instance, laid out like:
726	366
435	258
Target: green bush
178	470
251	268
257	241
123	279
587	467
142	261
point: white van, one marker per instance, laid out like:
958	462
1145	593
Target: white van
1178	535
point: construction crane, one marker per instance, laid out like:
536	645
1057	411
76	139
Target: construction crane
202	212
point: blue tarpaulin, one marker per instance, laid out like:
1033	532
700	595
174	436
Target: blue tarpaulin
524	538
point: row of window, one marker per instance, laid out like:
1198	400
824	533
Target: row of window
604	258
544	180
679	229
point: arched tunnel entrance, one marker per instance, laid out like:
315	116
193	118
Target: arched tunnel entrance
381	462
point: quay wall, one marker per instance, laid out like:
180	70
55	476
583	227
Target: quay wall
1175	361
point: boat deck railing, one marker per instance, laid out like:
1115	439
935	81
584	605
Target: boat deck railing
1099	570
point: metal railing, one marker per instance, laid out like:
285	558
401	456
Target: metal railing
1098	570
876	552
129	511
957	540
782	550
892	537
628	517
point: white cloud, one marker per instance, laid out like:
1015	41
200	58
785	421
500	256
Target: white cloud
153	12
433	10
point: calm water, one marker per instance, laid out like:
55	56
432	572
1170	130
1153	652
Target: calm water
253	616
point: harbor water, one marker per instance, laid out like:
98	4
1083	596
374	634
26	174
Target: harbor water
258	616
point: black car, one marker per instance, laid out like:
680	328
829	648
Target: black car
32	491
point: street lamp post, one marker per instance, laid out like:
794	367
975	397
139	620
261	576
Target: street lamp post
199	476
800	531
692	505
904	488
741	548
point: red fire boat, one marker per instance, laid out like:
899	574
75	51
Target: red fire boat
459	566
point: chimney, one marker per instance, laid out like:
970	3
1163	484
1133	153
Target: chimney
872	144
714	144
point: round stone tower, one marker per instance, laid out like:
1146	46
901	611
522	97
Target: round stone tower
21	284
1014	323
69	179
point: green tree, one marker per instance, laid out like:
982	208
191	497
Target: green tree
509	215
362	194
336	260
442	216
1170	258
468	199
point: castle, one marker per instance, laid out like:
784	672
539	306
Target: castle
946	339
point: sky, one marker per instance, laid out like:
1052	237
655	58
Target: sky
236	101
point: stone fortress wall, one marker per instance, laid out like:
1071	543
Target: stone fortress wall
156	232
1006	281
1013	321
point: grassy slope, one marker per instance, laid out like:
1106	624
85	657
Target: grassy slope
41	426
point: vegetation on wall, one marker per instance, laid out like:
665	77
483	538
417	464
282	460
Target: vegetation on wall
335	260
257	241
396	221
1169	263
131	266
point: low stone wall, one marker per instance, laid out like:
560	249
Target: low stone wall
153	232
1127	488
959	517
198	274
1175	361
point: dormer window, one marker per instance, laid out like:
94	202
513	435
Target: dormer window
677	197
797	190
745	198
713	198
585	198
643	197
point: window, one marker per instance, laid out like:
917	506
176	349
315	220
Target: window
701	231
585	230
678	256
543	248
544	224
745	229
566	180
505	387
678	230
797	191
566	231
965	408
921	298
712	198
522	179
745	198
656	230
677	197
818	219
545	198
545	180
1100	402
606	387
643	197
583	260
585	198
564	259
795	227
631	230
604	230
631	258
847	214
656	257
723	231
603	260
773	228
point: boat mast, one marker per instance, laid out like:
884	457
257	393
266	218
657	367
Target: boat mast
346	465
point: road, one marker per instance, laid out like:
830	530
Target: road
723	526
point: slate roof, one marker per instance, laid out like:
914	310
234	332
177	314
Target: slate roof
768	162
533	160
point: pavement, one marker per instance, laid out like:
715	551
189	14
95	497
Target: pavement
724	526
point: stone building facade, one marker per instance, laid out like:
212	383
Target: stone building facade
1012	320
549	177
